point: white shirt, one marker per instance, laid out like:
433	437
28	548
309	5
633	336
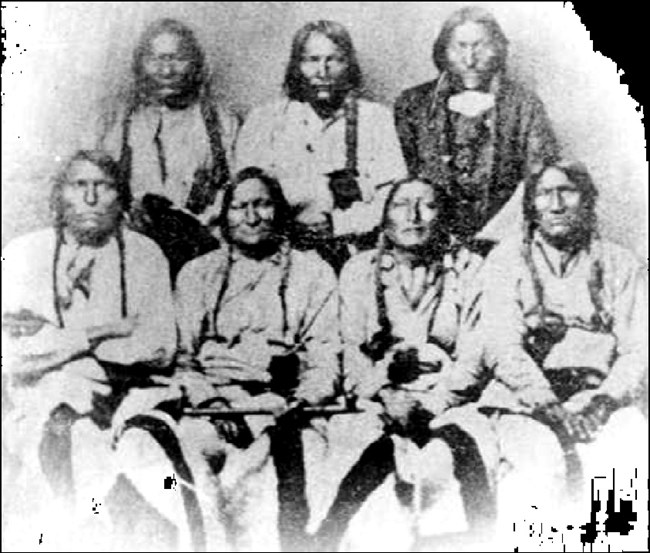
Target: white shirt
288	139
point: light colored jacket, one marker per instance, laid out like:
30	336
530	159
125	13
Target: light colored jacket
251	312
508	296
288	139
444	315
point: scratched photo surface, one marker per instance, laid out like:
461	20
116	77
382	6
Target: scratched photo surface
246	308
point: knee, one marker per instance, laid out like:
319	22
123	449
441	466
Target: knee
438	463
531	447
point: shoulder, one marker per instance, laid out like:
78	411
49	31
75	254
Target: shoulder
197	268
618	259
33	243
415	95
515	92
359	269
311	266
270	110
145	254
370	109
140	244
505	259
227	116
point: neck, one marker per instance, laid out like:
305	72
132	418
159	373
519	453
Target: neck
457	85
325	109
412	257
258	252
570	244
177	101
87	239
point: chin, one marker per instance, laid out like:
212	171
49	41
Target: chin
95	236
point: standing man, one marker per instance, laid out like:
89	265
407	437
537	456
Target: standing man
330	149
473	128
173	140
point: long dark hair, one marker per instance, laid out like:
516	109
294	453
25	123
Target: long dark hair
103	161
282	221
197	78
294	82
477	15
579	175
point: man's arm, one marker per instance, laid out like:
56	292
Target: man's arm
630	313
406	132
505	329
321	336
380	161
362	375
540	143
153	340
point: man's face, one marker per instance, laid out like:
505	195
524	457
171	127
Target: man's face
324	66
411	216
91	206
251	214
167	65
558	204
471	54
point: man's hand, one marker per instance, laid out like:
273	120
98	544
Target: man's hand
586	423
226	366
552	414
23	323
398	405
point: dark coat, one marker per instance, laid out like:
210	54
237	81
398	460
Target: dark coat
522	138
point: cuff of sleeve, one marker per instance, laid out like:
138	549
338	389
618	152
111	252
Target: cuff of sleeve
340	223
77	341
534	397
438	401
315	392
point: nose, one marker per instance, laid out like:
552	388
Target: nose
414	214
90	194
165	68
322	69
556	201
469	56
251	215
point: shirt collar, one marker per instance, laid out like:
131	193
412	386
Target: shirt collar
559	261
310	117
274	259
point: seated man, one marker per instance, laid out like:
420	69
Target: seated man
402	314
258	331
329	148
80	329
565	313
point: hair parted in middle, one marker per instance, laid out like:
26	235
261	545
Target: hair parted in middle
198	73
443	203
282	219
294	81
103	161
474	14
578	174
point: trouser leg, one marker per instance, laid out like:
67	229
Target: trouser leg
374	466
288	458
55	451
471	473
